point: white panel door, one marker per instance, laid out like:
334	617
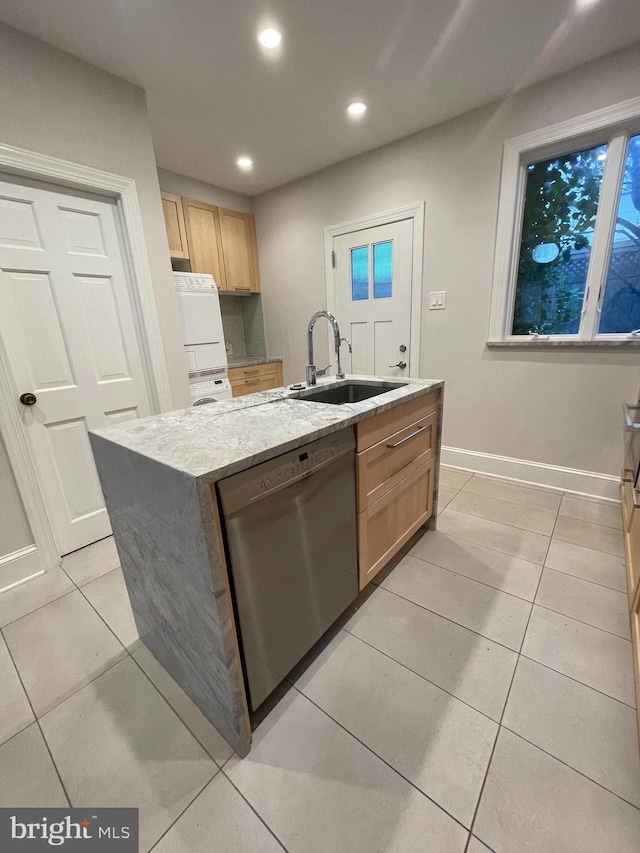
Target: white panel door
373	280
69	336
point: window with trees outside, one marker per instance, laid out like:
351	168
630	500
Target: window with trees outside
574	265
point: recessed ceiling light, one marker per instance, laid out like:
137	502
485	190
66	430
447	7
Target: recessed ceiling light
270	38
357	108
244	162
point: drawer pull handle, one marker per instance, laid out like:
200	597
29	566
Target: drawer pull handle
238	287
252	381
407	437
249	372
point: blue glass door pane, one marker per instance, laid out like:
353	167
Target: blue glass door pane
360	273
383	270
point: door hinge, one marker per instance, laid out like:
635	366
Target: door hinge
333	259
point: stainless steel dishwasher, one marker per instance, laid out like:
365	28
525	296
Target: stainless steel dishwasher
291	537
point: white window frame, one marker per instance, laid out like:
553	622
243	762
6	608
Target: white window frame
613	125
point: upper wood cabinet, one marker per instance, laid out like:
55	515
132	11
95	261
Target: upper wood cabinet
175	225
215	240
203	235
239	250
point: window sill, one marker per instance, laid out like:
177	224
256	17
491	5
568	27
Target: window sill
526	344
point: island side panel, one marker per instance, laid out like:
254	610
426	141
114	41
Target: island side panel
173	572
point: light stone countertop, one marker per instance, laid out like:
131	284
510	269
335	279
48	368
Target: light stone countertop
212	441
248	360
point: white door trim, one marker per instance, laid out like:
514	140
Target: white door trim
415	212
29	164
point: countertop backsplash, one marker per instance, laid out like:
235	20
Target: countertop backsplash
243	323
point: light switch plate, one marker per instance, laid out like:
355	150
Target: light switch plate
437	300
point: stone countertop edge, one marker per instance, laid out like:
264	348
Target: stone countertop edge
257	427
248	360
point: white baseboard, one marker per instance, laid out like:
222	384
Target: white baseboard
588	483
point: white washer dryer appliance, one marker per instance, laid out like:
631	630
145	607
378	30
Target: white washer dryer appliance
203	336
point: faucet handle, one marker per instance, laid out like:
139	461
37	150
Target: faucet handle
322	371
347	342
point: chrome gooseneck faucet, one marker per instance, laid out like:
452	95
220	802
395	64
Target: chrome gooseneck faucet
312	370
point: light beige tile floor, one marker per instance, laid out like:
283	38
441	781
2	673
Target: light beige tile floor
480	699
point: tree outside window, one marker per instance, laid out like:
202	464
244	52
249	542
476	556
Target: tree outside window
561	206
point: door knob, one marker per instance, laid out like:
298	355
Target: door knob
400	364
28	399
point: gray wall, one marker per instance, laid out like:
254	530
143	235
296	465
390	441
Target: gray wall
556	407
15	532
170	182
55	104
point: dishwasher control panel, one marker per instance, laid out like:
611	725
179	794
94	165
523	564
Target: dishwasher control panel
305	462
259	481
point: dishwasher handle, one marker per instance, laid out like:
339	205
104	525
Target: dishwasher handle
304	476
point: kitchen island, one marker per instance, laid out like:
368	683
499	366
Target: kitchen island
159	479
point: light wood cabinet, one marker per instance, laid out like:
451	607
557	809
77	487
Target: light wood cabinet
395	466
215	240
239	251
384	465
255	377
630	500
385	424
175	225
635	636
389	522
203	237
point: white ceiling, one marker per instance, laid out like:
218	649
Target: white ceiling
213	94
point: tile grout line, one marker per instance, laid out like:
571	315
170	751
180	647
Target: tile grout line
467	577
519	484
408	668
173	822
95	677
37	722
164	698
587	580
380	758
577	681
528	507
495	521
41	607
570	766
131	655
453	621
506	701
104	621
581	621
253	809
449	508
76	588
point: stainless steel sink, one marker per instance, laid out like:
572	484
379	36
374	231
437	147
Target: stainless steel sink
351	391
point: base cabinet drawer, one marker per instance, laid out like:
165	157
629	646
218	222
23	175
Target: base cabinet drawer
255	377
384	465
381	426
387	524
250	386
